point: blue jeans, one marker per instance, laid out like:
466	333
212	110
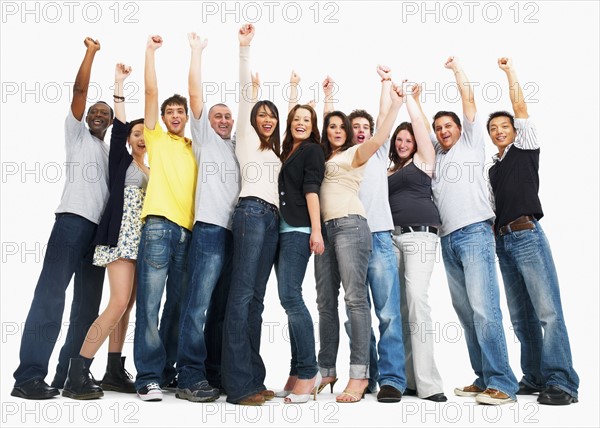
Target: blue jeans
533	298
162	257
210	248
346	258
382	278
70	251
294	252
469	258
255	237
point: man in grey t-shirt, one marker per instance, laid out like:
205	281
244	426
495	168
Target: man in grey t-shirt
70	247
461	195
211	248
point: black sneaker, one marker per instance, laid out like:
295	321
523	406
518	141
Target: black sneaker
172	386
198	392
150	392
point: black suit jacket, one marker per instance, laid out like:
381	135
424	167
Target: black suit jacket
300	174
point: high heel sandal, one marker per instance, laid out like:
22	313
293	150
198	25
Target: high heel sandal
283	393
323	385
303	398
356	395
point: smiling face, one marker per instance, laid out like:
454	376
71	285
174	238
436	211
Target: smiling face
265	122
362	130
175	119
502	132
446	131
301	126
405	145
98	119
336	134
136	140
221	121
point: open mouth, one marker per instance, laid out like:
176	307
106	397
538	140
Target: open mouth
360	138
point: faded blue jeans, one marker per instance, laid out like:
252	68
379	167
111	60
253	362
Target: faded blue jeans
470	261
162	257
346	258
533	298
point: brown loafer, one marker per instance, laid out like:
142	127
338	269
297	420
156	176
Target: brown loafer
267	394
389	394
468	391
253	400
493	396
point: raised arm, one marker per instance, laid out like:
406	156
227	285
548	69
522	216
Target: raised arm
369	147
425	152
197	46
328	85
82	80
416	96
464	87
245	36
294	81
255	86
122	71
516	93
150	85
384	99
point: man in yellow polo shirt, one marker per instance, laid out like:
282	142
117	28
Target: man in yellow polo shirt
169	216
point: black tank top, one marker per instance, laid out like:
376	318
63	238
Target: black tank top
410	198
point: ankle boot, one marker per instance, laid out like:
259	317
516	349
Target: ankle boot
116	377
80	384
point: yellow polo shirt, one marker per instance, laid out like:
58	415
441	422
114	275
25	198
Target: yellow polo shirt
172	183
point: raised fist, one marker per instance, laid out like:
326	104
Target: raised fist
92	44
122	71
246	34
295	77
452	63
154	42
328	85
196	42
505	63
384	72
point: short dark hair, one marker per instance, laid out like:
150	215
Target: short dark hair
396	162
177	100
442	113
362	113
500	114
274	142
112	113
132	124
347	127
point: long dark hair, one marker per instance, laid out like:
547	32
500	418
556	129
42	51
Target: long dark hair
395	161
288	140
274	142
132	124
347	127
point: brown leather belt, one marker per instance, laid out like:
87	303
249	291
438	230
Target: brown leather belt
525	222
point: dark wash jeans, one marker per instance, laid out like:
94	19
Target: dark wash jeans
70	252
255	237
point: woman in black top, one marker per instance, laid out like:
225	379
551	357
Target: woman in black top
300	178
416	220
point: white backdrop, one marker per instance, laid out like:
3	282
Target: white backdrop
42	47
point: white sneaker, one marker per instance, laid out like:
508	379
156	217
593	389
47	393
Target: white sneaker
150	392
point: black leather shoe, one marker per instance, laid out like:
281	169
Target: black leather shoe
438	398
35	389
410	392
527	390
80	384
389	394
116	377
555	396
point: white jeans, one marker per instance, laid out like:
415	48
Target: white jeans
416	255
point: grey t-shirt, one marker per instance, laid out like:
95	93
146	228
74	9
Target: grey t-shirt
373	191
218	183
86	187
134	176
459	184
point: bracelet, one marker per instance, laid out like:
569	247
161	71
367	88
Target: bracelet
116	97
386	78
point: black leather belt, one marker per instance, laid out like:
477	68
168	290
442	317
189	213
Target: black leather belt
398	230
525	222
260	201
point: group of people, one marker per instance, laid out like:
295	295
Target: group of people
211	216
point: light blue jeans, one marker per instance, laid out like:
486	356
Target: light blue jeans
469	257
533	298
346	257
162	258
